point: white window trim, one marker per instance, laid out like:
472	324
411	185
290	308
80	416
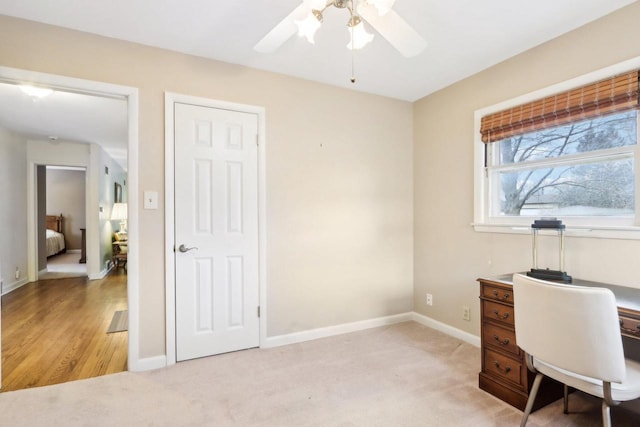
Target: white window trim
579	227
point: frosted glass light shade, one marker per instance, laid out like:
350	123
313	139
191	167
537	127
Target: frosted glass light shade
308	27
359	37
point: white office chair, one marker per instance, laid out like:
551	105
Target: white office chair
572	334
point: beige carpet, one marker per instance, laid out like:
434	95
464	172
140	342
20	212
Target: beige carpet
400	375
64	265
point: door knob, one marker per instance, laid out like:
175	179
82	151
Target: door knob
183	248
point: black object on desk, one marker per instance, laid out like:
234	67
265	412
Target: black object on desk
546	274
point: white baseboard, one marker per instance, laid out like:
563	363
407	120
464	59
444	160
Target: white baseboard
101	274
449	330
148	363
8	287
43	271
157	362
73	251
334	330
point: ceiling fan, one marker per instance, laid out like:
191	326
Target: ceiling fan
307	18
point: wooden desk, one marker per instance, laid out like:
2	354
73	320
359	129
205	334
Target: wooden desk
504	372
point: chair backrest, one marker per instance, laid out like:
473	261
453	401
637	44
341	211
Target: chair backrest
575	328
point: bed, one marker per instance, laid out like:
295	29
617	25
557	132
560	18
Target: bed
55	238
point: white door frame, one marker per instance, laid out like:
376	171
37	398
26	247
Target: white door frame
14	75
33	191
91	180
169	210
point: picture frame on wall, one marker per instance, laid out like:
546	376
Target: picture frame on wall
117	193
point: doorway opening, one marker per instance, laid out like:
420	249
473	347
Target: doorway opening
65	234
99	227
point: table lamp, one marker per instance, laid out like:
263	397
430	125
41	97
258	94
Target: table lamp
119	213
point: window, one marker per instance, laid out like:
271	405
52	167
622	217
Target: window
570	155
580	169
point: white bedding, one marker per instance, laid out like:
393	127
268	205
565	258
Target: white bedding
55	242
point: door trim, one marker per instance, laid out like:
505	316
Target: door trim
14	75
169	211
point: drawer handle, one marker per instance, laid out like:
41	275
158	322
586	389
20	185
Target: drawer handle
504	297
506	370
501	342
504	316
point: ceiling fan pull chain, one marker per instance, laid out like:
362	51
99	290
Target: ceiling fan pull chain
353	56
353	51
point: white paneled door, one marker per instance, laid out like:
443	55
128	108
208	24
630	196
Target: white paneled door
216	226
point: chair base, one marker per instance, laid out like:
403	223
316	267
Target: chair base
606	408
532	399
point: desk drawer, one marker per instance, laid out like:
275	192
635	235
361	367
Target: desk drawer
496	311
498	337
630	327
497	293
503	367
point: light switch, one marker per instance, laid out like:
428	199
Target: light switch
151	200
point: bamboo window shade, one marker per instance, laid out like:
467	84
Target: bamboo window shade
615	94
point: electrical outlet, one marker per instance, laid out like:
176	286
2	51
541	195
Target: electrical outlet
429	299
466	313
17	273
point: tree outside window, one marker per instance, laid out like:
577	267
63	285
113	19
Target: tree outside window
581	169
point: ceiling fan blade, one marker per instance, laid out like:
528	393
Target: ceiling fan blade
395	29
283	31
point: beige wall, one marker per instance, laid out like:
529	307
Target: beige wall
338	166
449	255
106	196
13	209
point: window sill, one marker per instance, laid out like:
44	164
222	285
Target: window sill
595	232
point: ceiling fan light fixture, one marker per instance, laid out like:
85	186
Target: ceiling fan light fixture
391	27
359	35
383	6
309	25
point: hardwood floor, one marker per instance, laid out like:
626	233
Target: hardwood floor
55	331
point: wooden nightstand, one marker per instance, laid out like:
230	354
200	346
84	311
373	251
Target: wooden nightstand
120	250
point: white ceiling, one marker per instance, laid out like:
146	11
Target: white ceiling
464	37
67	117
